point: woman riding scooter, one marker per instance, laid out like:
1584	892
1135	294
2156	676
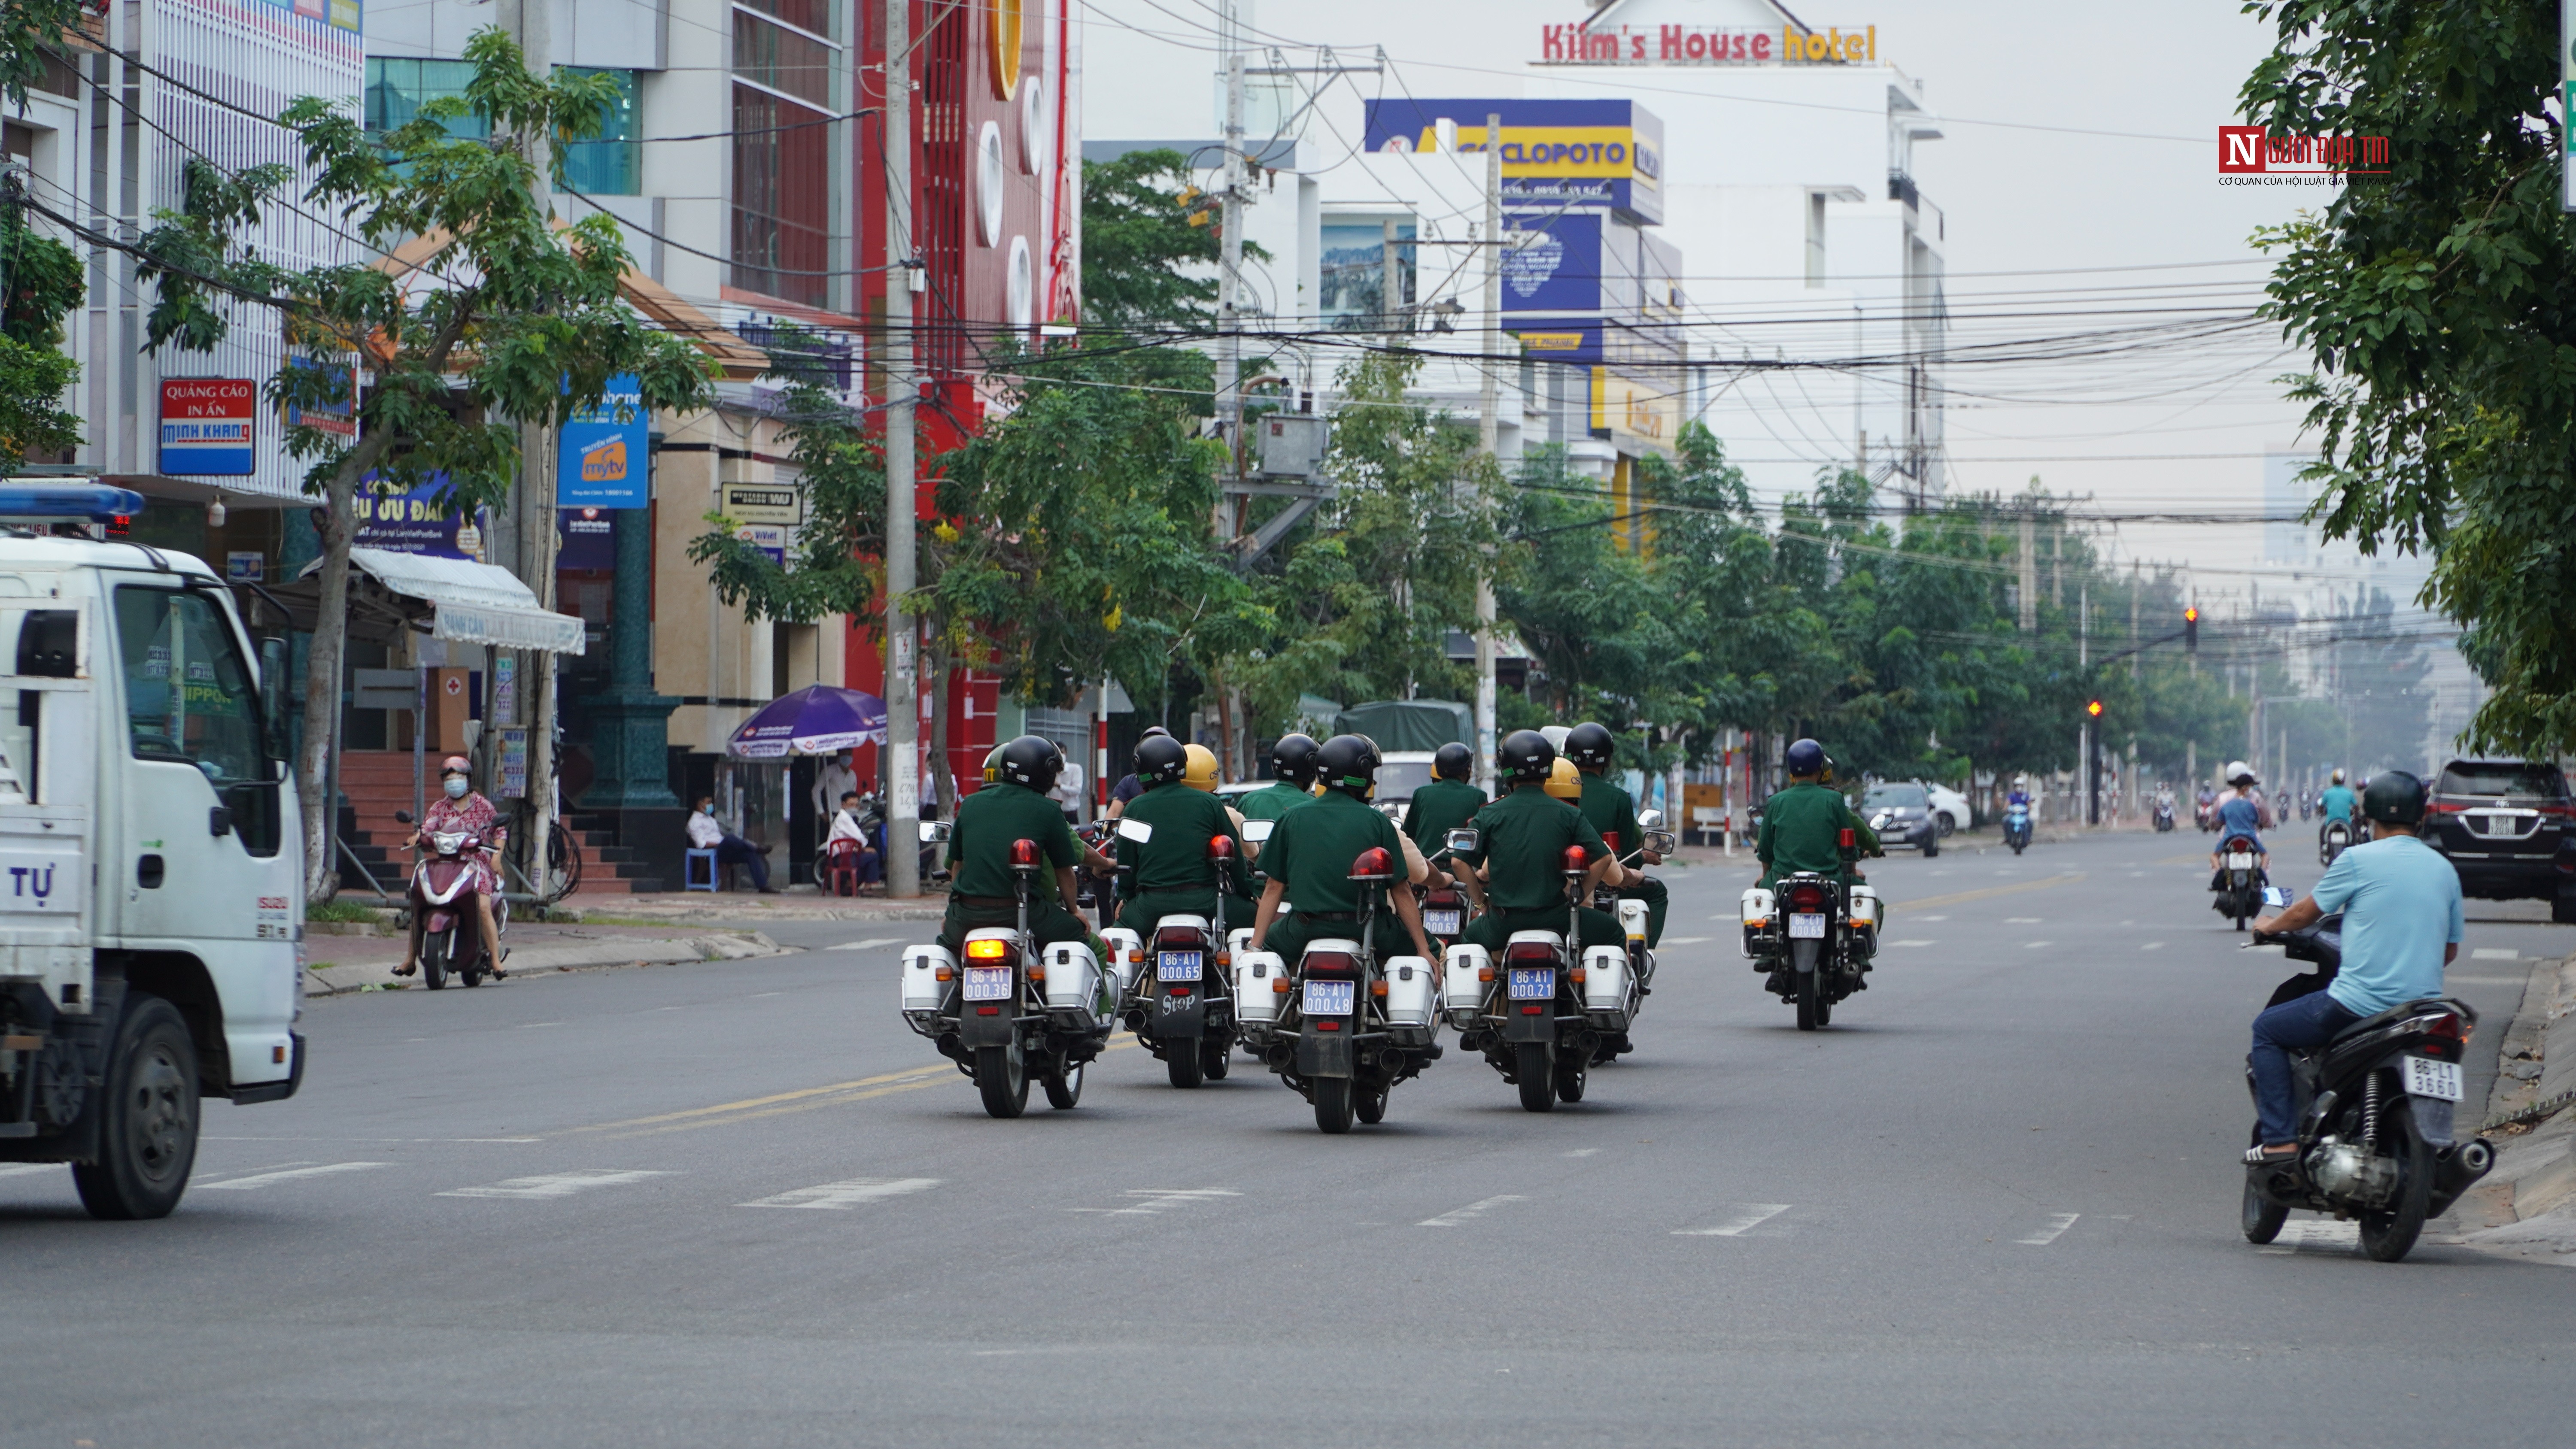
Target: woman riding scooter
460	808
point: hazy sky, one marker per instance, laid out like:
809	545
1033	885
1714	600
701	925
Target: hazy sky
2178	428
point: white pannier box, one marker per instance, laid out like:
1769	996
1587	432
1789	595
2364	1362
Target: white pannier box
923	966
1072	978
1409	991
1126	956
1256	999
1605	979
1463	979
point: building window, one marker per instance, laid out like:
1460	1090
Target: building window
782	192
611	164
790	57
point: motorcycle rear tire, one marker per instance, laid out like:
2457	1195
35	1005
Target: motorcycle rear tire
2389	1236
1216	1057
1572	1073
1370	1103
1335	1104
2016	845
1182	1061
2261	1217
1536	1070
433	959
1064	1087
1002	1079
1812	1011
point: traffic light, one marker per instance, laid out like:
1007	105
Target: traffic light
2191	628
2094	709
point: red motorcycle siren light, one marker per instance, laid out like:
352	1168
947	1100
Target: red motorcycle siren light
1848	839
1024	852
1576	862
1375	863
1220	847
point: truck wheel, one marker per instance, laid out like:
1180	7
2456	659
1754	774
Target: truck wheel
148	1117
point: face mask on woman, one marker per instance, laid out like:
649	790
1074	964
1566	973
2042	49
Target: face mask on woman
456	787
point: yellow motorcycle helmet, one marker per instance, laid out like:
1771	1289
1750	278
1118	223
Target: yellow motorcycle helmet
993	765
1201	774
1565	782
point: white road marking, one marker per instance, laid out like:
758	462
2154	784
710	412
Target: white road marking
2058	1223
2152	946
1909	943
871	943
533	1025
2495	953
2035	945
1687	940
846	1194
1583	1152
555	1184
2320	1235
1745	1217
288	1174
1156	1199
2023	920
1931	918
1459	1216
23	1168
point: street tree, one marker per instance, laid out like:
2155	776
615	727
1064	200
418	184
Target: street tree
41	280
493	315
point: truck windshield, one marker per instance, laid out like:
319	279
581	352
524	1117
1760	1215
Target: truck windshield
188	696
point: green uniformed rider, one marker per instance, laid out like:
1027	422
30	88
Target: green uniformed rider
1015	807
1309	858
1517	870
1292	759
1803	825
1171	872
1448	801
1614	813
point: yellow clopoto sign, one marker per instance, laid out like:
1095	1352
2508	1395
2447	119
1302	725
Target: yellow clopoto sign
1586	151
1639	415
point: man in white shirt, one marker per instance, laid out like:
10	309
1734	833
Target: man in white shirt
854	821
706	833
1068	790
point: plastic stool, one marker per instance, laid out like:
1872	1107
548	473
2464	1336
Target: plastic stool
689	879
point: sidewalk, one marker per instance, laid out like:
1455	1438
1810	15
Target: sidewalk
2530	1196
339	963
794	903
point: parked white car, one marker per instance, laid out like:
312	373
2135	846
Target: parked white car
1949	807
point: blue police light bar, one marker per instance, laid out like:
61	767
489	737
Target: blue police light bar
66	502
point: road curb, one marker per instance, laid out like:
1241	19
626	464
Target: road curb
2535	1091
584	956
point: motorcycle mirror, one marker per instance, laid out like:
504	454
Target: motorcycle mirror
1650	820
1462	838
1135	830
402	817
934	832
1662	842
2276	898
1257	831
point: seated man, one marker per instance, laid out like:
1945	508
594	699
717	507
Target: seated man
707	833
2337	803
1803	824
1172	872
2402	921
1516	873
1015	807
2241	811
1309	859
850	823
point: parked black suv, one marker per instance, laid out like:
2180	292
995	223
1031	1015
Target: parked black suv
2509	828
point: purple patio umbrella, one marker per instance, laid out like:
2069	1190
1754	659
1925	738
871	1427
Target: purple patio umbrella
815	720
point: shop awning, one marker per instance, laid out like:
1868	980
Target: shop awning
473	603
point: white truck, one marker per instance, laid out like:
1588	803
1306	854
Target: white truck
151	860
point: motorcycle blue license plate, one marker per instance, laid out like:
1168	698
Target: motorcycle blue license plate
1178	965
988	983
1440	923
1329	998
1533	983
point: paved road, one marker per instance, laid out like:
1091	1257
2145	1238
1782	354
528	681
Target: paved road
739	1204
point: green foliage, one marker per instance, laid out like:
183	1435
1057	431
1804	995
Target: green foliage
2438	304
29	29
1141	254
40	284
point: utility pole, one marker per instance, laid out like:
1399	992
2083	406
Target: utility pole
2028	574
1229	277
1490	429
903	390
2084	732
531	25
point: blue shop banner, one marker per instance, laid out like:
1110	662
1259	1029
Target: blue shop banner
603	462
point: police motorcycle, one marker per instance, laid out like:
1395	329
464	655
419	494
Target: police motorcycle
2333	840
1638	982
1182	1008
1008	1012
1541	1017
2377	1142
2237	892
1813	938
441	898
2017	825
1340	1026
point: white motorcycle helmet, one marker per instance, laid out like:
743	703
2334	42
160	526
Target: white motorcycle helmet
2239	773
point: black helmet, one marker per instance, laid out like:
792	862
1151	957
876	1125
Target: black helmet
1590	746
1293	759
1804	758
1032	760
1454	761
2395	798
1526	755
1159	758
1348	763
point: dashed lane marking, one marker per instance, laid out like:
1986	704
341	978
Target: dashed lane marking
1909	943
2035	945
848	1194
870	944
288	1173
2495	953
555	1184
2024	920
1963	897
2152	946
2058	1223
1688	940
1583	1152
1740	1219
1458	1217
1161	1199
